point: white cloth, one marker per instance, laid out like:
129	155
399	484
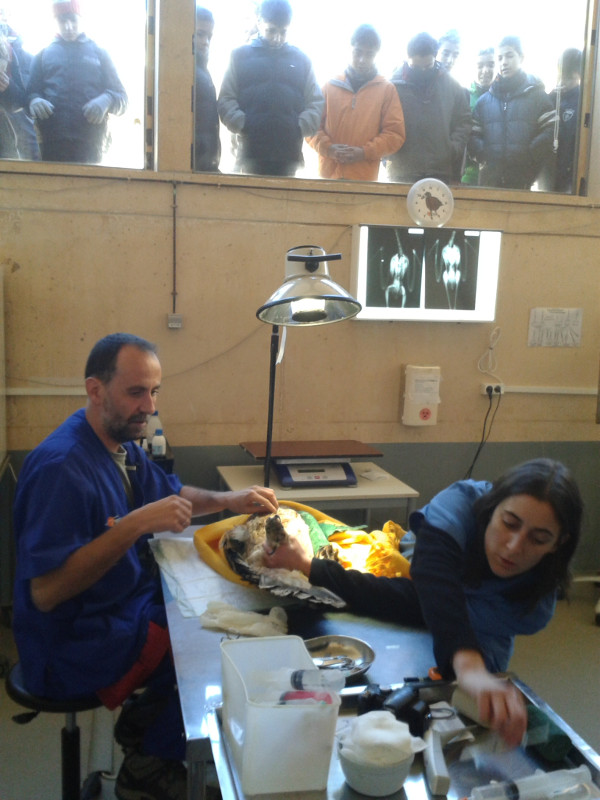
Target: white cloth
194	584
223	617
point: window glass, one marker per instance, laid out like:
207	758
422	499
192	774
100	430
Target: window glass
324	35
96	112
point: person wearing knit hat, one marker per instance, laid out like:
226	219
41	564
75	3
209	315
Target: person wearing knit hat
61	7
73	87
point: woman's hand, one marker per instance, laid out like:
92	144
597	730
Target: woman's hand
290	554
499	704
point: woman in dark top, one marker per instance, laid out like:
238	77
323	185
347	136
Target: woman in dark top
488	563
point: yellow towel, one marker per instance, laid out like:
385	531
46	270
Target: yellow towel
376	552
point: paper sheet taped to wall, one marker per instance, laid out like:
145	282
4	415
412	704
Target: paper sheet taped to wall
555	327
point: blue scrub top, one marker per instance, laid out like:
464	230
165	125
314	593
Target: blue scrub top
496	617
69	492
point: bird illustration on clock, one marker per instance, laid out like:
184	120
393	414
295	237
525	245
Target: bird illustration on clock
430	202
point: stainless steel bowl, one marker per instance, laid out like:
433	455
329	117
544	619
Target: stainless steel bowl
345	653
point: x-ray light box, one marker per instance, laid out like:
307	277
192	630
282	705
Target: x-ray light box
437	274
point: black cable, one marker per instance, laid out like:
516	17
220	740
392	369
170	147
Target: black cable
485	433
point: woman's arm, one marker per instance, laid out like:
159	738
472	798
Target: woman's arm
384	598
436	570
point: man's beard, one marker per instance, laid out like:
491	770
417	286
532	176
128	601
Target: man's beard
123	430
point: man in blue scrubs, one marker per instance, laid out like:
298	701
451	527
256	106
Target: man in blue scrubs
88	609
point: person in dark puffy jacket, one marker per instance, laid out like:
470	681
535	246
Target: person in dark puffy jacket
513	124
73	87
270	98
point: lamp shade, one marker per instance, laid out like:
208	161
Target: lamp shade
308	296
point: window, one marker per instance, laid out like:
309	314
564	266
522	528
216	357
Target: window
117	27
324	35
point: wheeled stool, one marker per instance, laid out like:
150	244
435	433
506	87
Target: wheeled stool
70	750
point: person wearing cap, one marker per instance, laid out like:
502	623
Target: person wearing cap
73	87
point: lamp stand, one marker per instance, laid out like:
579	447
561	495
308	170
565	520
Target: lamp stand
272	371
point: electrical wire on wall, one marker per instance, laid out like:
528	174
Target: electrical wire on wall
488	364
487	428
174	255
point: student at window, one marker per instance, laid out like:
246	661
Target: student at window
513	124
448	49
269	97
488	562
73	86
363	119
12	96
437	118
567	96
207	145
484	75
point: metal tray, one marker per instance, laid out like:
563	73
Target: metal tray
351	656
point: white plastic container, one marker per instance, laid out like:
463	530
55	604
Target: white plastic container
275	748
159	444
153	423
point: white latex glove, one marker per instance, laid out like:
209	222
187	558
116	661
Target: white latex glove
40	108
96	109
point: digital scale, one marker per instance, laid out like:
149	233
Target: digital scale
304	473
313	463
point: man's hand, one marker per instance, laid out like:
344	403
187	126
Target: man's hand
256	499
40	108
173	513
500	704
88	564
96	109
346	154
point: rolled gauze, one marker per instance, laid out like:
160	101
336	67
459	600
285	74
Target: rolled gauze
379	738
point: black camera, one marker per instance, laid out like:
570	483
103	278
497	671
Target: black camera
404	703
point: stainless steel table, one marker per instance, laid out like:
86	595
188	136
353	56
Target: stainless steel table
375	488
400	653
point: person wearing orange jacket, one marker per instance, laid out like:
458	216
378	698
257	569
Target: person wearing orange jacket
362	120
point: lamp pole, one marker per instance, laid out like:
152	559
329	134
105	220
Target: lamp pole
308	296
272	371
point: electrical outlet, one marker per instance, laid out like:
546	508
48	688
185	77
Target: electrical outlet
175	321
490	389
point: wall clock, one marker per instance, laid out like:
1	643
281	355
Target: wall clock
430	202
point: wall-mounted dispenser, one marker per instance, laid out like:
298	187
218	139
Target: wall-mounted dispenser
421	395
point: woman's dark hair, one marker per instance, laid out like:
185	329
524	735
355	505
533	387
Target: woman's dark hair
549	481
102	360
